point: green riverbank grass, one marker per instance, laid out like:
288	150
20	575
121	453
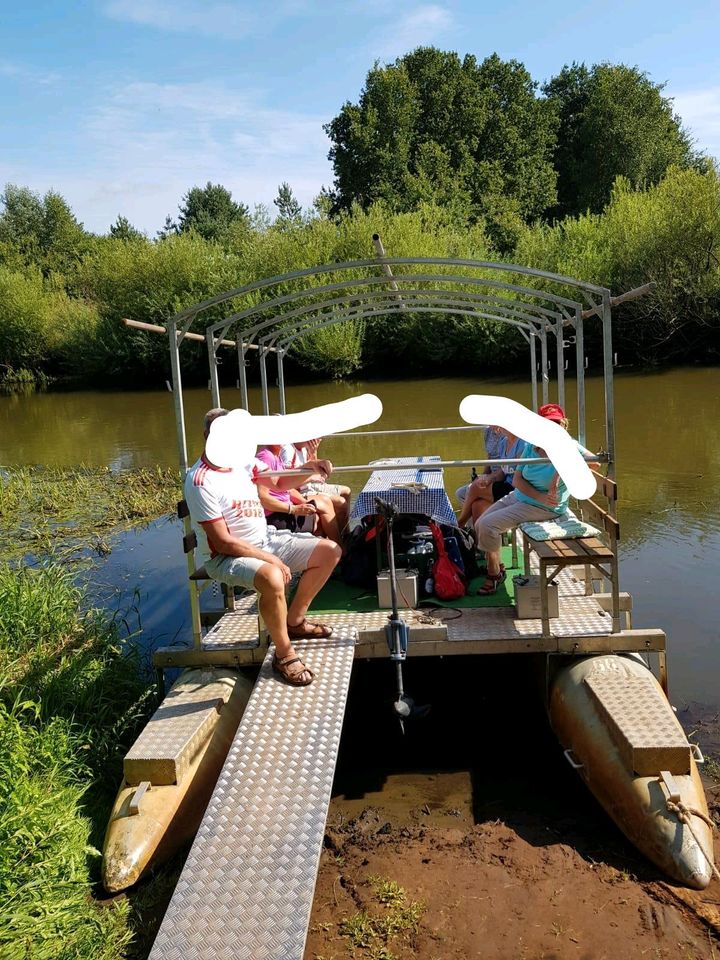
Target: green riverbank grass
71	701
47	510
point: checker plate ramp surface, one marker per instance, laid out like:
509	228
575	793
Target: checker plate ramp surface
646	731
247	887
178	728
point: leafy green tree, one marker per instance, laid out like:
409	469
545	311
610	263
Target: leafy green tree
323	203
614	121
289	209
40	232
434	128
122	229
209	211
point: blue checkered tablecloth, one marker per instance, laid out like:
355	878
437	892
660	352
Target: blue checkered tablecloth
431	502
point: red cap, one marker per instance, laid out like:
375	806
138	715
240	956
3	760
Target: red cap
552	411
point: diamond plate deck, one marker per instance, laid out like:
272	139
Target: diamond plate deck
178	728
237	629
247	887
643	726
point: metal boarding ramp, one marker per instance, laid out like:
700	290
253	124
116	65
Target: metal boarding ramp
247	887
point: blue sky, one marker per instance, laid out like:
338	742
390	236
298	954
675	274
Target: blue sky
123	105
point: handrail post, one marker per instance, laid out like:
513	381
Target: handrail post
606	317
533	367
560	355
280	354
242	375
580	375
212	360
262	350
545	378
182	451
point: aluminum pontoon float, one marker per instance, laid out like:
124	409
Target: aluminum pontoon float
246	890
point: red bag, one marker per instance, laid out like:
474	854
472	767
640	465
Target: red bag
448	578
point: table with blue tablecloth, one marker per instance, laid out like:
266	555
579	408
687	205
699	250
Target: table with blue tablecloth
419	490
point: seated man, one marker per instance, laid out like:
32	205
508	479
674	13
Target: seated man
238	549
294	455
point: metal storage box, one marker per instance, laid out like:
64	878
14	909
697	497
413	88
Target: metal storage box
527	597
407	589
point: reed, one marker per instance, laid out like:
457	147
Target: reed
44	510
72	698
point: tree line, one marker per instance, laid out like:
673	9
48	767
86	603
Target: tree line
591	175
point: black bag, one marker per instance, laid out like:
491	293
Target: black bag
359	565
467	548
282	521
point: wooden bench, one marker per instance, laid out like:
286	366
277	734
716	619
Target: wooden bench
588	552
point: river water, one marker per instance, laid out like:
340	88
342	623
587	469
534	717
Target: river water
668	472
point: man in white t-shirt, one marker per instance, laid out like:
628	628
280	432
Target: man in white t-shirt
240	549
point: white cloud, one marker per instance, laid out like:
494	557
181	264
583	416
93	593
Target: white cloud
20	72
423	26
152	142
700	113
230	20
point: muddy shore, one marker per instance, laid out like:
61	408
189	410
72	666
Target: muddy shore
498	848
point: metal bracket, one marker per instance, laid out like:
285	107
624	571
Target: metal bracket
668	781
134	806
571	759
569	342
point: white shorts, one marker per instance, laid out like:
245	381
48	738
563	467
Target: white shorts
294	549
330	489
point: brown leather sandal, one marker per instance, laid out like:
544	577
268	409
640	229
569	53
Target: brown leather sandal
492	582
294	679
305	630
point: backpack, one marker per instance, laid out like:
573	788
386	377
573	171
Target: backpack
448	578
466	545
359	565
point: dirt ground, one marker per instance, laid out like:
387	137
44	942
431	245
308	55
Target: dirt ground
519	863
496	890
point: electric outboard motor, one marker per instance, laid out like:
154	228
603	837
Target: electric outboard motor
397	631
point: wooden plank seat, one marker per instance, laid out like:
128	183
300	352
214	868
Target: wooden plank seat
588	552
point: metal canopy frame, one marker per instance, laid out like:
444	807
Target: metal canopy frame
271	315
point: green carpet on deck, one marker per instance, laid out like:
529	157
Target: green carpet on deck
338	597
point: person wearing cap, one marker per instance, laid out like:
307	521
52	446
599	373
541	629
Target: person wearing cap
538	494
238	548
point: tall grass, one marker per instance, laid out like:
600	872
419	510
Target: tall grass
70	703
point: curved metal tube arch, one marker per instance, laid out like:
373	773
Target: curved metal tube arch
387	302
248	334
190	313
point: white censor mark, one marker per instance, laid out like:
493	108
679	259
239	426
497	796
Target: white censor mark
560	447
233	439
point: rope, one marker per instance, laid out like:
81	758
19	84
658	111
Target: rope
684	814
